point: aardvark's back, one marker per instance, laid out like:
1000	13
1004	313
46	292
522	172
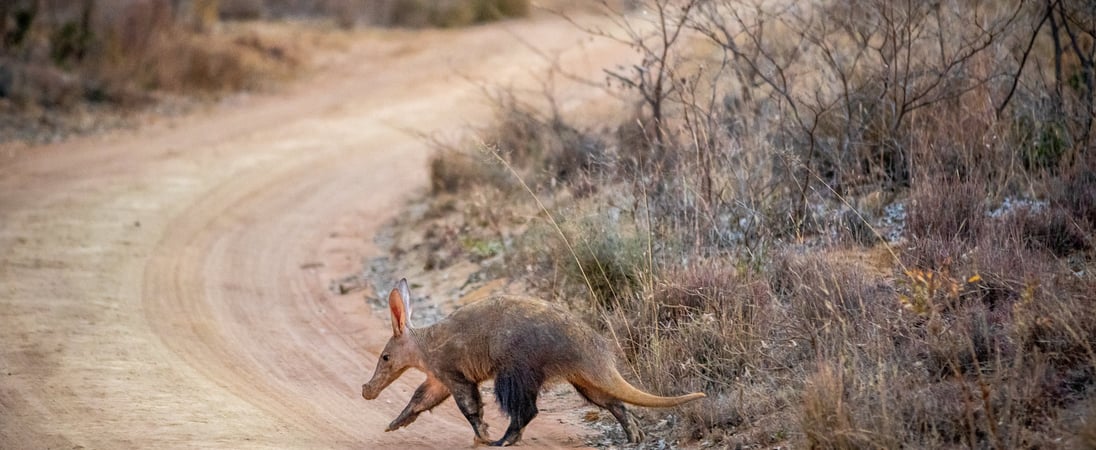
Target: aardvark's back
511	331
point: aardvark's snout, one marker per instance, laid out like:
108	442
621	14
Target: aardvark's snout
369	394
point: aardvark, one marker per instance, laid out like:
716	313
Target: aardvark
522	343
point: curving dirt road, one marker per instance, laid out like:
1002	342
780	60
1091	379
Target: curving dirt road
166	287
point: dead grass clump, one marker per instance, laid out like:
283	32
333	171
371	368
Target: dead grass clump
826	421
547	151
579	159
599	267
451	13
1056	318
454	171
608	263
965	340
828	298
519	133
890	373
706	327
943	210
500	9
1004	266
204	65
228	60
735	308
1076	192
944	221
1053	230
953	375
241	9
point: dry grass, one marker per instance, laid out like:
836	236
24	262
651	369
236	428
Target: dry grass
75	57
118	53
454	171
230	60
978	334
449	13
755	259
72	69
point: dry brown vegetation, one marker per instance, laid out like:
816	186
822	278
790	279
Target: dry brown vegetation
860	224
449	13
70	66
58	54
91	59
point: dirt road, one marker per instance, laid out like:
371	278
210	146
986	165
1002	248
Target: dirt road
167	287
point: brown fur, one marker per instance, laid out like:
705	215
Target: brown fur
520	342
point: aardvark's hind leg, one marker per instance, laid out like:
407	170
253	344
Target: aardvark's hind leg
516	390
616	407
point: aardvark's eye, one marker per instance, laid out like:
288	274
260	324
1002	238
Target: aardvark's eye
384	357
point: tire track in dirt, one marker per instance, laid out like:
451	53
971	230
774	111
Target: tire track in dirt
160	288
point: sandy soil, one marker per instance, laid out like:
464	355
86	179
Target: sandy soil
167	287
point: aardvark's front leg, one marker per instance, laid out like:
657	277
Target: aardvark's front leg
429	394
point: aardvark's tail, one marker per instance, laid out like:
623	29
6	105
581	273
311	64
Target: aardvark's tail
621	389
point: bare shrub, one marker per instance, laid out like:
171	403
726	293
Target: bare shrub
852	121
1071	27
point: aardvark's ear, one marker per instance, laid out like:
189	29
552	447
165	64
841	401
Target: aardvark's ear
399	303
